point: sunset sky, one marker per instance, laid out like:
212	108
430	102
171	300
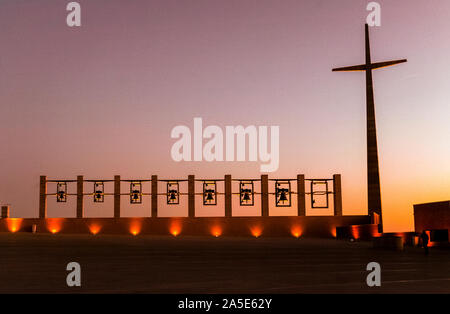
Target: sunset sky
101	99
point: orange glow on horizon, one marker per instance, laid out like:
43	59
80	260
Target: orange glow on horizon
296	231
54	225
14	224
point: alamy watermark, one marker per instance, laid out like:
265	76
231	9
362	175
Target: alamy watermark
374	277
231	147
73	279
374	17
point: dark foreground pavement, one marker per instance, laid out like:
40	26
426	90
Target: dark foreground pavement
36	263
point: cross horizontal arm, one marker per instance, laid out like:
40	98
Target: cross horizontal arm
373	66
361	67
386	63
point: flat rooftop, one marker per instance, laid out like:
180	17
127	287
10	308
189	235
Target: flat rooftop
36	263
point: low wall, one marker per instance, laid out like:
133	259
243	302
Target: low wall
363	232
303	226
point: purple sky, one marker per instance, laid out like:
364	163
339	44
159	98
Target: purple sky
102	99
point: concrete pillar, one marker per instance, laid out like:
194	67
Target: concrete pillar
191	196
337	199
264	195
116	196
43	197
80	182
5	211
301	196
154	196
228	196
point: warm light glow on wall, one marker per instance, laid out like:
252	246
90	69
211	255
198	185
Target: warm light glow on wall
14	224
333	232
256	231
54	225
216	231
296	231
95	228
355	232
376	234
175	228
430	243
135	227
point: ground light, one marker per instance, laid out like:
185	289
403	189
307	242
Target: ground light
94	229
14	224
296	231
54	225
135	227
175	228
256	231
216	231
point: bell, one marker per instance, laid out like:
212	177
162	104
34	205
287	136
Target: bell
98	195
209	197
246	197
283	197
61	195
173	196
135	195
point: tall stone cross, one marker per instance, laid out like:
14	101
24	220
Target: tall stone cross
373	173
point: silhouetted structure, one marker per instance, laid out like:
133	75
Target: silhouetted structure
373	174
433	217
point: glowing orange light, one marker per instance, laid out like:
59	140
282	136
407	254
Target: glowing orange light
376	234
94	229
355	232
430	243
14	224
54	225
216	231
296	231
135	227
175	228
256	231
134	232
333	232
